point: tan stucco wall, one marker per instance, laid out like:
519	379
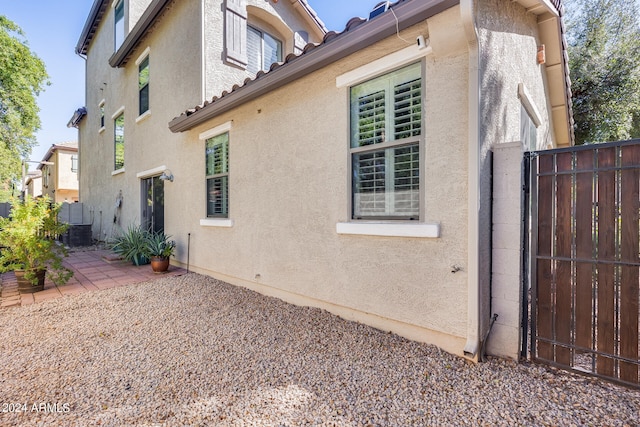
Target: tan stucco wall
65	178
176	84
289	188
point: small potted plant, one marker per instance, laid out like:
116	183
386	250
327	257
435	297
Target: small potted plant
131	244
159	248
30	249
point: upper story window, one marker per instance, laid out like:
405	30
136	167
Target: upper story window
217	175
143	86
386	135
101	108
74	163
118	142
262	50
119	24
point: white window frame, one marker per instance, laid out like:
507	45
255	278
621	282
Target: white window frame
262	32
144	55
102	116
227	222
391	228
530	119
119	31
114	117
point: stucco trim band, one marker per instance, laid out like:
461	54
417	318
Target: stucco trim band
424	230
216	222
151	172
529	105
117	113
218	130
382	65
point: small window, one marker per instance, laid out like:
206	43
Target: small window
262	50
528	131
118	142
119	24
217	175
386	129
74	163
101	107
143	86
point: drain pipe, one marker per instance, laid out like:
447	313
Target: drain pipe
472	346
483	352
188	249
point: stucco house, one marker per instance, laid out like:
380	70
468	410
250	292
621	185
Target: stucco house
354	175
59	172
146	60
33	183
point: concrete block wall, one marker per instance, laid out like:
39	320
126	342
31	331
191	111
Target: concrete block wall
506	299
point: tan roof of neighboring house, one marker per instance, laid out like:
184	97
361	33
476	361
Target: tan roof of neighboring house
357	34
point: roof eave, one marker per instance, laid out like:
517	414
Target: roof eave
311	16
406	14
146	21
90	26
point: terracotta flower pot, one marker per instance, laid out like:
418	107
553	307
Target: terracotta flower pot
25	286
159	264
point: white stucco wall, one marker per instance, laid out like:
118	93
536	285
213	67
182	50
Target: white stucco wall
507	238
508	37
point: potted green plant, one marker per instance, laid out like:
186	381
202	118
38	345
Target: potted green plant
131	244
159	248
30	249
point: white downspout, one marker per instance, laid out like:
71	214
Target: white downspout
472	346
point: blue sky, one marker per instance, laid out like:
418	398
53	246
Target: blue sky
52	29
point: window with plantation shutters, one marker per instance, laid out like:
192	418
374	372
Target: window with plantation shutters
386	129
118	142
217	173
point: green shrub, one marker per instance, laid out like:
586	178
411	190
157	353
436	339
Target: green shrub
28	238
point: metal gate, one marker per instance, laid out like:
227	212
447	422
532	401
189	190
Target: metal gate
585	262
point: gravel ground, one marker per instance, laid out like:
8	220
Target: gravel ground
193	351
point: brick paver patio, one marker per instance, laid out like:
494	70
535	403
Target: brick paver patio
92	270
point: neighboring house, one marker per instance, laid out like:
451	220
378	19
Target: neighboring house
148	60
355	176
60	179
33	183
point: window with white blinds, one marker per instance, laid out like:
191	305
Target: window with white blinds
262	50
217	175
386	129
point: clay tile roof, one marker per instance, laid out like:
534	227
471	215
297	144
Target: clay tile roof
329	39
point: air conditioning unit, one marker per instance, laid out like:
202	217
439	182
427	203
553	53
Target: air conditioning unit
379	9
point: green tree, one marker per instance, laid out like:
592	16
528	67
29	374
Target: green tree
22	77
604	48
